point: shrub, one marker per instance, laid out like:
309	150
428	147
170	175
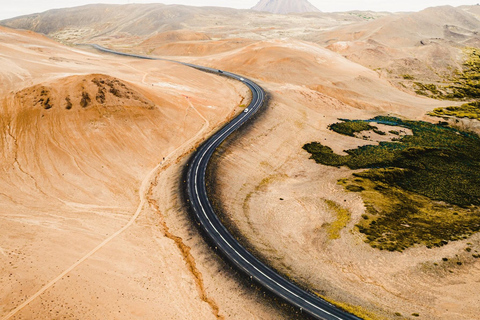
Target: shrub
419	190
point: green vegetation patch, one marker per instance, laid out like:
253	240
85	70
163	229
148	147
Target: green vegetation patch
467	83
343	217
429	90
465	86
349	128
468	110
397	219
420	189
357	310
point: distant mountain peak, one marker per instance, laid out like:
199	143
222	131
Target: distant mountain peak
285	6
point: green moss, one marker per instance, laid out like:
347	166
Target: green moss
359	311
379	132
468	110
467	84
419	190
439	162
463	84
343	217
427	89
354	188
397	219
349	128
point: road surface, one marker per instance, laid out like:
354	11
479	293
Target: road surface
222	239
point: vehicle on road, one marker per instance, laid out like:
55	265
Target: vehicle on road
246	110
241	79
220	71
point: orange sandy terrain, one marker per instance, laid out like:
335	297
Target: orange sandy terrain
86	138
74	176
281	209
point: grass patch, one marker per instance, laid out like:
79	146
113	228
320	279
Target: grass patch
396	219
466	87
467	83
419	190
355	310
469	110
463	84
429	90
380	132
349	128
343	217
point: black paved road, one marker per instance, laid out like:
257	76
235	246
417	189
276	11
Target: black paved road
221	237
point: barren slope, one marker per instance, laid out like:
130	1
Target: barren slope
280	202
86	138
159	46
134	23
285	204
308	65
426	45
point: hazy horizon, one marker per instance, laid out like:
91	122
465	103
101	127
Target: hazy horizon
23	7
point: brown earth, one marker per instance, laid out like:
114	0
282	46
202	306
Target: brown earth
425	45
192	48
135	23
86	140
281	208
316	68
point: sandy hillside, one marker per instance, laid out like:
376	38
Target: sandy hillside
298	63
182	43
426	45
316	68
86	138
134	23
403	47
282	210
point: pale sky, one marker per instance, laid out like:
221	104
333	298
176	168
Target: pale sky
13	8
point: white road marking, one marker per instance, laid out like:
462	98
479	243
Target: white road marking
204	153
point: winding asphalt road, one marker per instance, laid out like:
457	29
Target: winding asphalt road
218	233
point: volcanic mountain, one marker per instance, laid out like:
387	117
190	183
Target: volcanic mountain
285	6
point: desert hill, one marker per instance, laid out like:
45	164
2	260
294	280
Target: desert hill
311	66
285	6
74	176
409	29
192	48
426	45
85	140
174	36
137	22
186	43
91	91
